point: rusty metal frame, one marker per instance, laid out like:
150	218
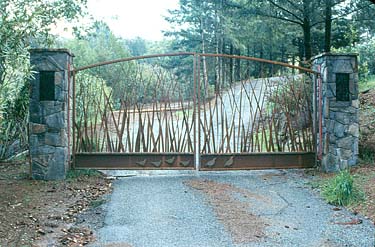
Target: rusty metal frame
256	161
240	160
262	60
134	58
69	112
73	73
196	55
195	114
136	161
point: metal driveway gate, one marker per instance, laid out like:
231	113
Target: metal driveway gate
192	111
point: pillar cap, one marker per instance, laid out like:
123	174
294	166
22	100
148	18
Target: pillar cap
331	54
55	50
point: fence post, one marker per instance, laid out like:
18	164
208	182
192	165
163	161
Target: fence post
336	111
49	120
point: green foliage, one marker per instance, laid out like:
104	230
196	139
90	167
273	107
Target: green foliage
367	83
366	154
366	51
276	30
341	191
99	44
76	173
91	91
13	120
24	24
291	95
137	46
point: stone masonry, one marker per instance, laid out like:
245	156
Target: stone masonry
336	116
48	127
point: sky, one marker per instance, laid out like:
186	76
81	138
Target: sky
132	18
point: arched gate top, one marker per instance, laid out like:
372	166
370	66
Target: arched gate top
193	54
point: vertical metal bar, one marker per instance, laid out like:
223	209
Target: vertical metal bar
198	119
314	114
320	151
195	117
74	119
68	113
198	87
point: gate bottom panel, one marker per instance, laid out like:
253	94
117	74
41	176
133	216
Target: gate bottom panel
135	161
249	161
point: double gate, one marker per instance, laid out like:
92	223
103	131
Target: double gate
192	111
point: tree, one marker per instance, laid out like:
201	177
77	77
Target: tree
136	46
100	45
304	13
309	15
24	24
22	21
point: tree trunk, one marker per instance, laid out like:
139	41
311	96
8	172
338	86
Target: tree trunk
231	65
293	62
261	65
217	51
328	26
205	76
282	68
2	69
271	58
223	64
238	66
248	70
307	39
306	26
217	67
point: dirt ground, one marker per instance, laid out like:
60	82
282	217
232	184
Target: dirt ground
243	226
40	213
364	177
367	125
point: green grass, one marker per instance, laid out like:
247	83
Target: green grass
341	190
76	173
367	83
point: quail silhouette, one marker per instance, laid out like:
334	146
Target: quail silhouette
170	161
141	163
211	163
229	163
185	163
156	163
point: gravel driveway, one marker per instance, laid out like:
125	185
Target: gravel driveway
251	208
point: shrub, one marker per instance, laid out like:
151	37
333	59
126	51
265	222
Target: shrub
340	190
13	123
366	154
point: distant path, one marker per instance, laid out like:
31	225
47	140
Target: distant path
256	208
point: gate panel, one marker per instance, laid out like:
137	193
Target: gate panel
135	161
254	161
176	111
141	109
253	114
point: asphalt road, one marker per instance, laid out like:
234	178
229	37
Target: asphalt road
252	208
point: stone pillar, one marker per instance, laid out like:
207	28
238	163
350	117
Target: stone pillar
48	121
336	109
